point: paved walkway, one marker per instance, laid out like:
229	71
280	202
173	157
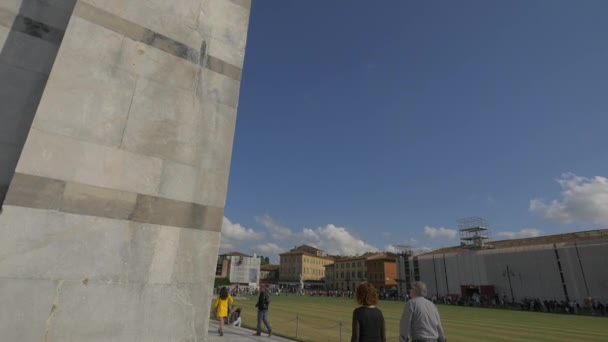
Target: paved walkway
236	334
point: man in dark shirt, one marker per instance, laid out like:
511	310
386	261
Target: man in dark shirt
262	305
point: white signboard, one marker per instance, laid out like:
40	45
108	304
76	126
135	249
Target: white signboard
244	270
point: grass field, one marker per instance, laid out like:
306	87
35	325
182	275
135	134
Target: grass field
319	320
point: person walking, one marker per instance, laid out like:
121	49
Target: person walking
420	320
262	305
368	322
222	303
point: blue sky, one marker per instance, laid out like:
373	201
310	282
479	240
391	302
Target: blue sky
359	125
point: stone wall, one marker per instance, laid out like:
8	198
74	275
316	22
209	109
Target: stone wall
111	225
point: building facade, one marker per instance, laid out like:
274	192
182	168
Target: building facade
568	267
349	272
269	274
382	271
304	262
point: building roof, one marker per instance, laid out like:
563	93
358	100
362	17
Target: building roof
236	254
383	256
269	267
533	241
297	252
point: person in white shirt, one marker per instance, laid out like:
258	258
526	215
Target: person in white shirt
420	320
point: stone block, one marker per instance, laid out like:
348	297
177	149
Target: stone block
91	200
226	52
223	68
192	262
212	187
177	181
35	192
20	91
55	13
174	19
218	88
151	63
164	122
175	213
244	3
151	313
96	311
91	42
45	244
218	127
109	21
27	52
85	98
226	21
60	157
5	24
26	306
9	154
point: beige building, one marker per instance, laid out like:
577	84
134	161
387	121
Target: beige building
348	272
303	260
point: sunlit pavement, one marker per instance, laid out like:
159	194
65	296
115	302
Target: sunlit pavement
236	334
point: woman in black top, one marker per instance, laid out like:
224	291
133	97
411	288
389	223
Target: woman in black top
368	321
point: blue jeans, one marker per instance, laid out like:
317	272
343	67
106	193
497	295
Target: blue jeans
263	316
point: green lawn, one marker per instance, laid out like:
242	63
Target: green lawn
319	319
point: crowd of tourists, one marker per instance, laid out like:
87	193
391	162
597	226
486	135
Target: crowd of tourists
590	307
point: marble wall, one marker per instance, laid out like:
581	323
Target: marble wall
111	225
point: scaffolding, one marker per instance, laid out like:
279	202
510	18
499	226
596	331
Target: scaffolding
474	232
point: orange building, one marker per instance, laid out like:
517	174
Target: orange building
382	270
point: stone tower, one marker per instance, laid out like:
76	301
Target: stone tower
116	126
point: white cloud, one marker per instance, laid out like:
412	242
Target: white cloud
524	233
269	249
336	240
330	238
277	231
439	232
583	200
233	234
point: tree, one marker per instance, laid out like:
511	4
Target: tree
264	260
221	282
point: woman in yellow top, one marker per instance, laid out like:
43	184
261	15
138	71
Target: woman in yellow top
223	302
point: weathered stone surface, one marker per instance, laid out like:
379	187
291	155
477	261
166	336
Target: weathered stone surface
226	21
175	213
35	192
245	3
54	13
136	313
62	246
151	63
17	51
98	115
164	122
225	52
64	158
218	88
23	300
138	130
91	200
221	67
177	181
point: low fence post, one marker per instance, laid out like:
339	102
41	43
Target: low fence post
297	321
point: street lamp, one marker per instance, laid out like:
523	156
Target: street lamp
509	273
